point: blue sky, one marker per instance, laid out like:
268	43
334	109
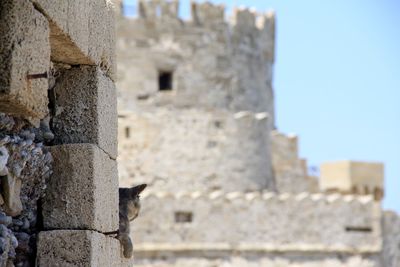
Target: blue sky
337	79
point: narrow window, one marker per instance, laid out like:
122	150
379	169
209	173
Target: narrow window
165	81
364	229
183	217
127	132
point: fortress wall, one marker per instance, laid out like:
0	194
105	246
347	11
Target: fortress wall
290	171
215	64
195	150
391	239
259	222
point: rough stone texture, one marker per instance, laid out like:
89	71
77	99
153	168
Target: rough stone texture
79	248
86	109
24	51
82	32
391	240
195	149
11	191
25	165
290	171
83	190
353	177
206	55
266	222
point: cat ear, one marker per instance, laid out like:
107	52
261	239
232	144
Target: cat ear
136	190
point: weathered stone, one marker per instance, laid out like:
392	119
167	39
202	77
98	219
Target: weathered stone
24	53
83	191
3	161
199	149
353	177
86	109
79	248
4	219
290	171
11	191
82	32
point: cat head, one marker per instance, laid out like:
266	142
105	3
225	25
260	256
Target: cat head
136	190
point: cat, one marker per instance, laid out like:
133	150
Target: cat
129	207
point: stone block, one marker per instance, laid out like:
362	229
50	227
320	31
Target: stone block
83	191
82	32
79	248
25	59
86	109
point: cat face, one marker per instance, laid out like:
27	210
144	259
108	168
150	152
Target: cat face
134	201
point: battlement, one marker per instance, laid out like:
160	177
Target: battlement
330	199
163	16
201	14
262	221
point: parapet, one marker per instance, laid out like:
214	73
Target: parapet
263	221
158	9
207	14
157	14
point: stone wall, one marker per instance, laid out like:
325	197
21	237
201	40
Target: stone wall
391	238
58	131
261	221
195	149
290	171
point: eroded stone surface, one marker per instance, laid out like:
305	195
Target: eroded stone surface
82	32
12	189
24	51
86	109
83	190
78	248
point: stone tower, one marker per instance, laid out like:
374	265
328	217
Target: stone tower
196	122
200	92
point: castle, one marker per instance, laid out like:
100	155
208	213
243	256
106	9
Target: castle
226	188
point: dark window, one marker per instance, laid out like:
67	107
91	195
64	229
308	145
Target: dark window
364	229
183	217
127	132
165	81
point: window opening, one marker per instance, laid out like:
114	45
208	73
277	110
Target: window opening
365	229
165	81
183	217
127	132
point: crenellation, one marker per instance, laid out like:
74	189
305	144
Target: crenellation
158	9
207	14
266	25
244	19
